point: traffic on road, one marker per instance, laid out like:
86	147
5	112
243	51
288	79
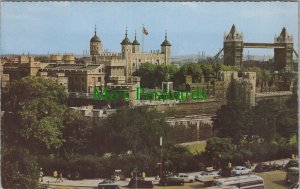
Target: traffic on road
241	177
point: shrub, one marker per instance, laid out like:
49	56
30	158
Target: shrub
19	169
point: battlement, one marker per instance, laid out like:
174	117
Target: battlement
110	54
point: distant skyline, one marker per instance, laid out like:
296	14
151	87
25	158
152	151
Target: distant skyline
192	27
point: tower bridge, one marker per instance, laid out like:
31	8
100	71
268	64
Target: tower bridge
234	44
283	49
264	45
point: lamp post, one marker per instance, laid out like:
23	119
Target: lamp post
161	157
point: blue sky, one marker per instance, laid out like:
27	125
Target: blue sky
43	27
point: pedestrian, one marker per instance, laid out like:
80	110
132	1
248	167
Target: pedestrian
157	177
60	176
41	174
56	175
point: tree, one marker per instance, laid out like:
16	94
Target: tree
34	114
30	88
219	151
76	132
19	169
146	72
164	73
192	69
232	121
229	68
153	75
137	130
207	70
265	116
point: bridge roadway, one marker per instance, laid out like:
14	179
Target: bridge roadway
263	45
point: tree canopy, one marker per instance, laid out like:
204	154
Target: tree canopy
152	75
129	130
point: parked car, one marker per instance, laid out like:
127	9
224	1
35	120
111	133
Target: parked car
204	174
240	170
292	163
108	184
292	175
139	183
186	177
171	181
262	167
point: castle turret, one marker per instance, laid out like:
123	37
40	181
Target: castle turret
135	45
95	45
166	50
233	48
126	46
283	57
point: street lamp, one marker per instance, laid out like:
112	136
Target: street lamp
161	157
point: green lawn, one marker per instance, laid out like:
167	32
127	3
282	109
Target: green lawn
274	179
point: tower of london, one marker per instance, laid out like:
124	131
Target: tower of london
121	65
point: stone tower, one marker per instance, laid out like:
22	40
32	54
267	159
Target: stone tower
166	50
95	45
126	47
135	45
283	57
233	48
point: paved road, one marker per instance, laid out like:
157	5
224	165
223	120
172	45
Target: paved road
272	179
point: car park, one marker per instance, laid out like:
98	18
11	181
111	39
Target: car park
262	167
171	181
202	175
186	177
240	170
139	183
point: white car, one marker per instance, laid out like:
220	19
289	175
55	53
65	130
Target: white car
186	177
240	170
202	175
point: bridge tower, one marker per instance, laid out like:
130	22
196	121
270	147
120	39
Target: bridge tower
283	57
233	48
